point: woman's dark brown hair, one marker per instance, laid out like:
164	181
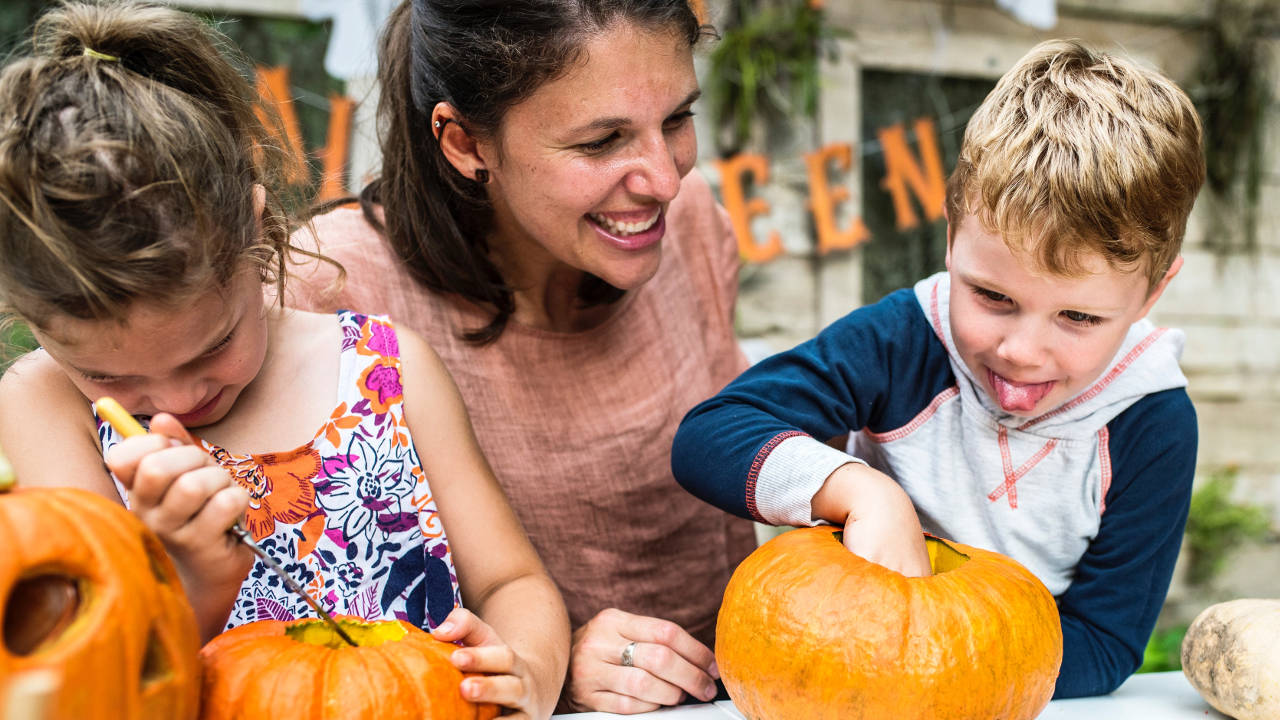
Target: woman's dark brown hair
482	57
129	151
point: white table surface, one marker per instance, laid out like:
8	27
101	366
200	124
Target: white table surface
1151	696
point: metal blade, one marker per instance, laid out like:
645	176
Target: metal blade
243	536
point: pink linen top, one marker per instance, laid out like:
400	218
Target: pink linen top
578	426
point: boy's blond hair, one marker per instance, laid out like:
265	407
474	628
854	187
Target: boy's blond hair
1076	153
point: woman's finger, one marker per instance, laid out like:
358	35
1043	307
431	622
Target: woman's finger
669	635
672	671
612	702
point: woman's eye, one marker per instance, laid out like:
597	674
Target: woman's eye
1080	318
679	119
599	145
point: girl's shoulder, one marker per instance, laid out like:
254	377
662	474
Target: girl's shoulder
47	426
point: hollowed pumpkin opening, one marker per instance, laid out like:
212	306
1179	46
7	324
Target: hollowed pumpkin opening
942	557
39	608
318	632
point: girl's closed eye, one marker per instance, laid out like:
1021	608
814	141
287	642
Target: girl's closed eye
679	120
222	345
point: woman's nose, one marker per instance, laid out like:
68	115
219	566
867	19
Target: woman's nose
656	173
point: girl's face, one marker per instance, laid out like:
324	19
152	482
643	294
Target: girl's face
583	170
1031	339
192	361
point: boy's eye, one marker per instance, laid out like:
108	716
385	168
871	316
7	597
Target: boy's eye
991	295
1080	318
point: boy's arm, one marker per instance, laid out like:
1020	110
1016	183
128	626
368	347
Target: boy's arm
757	449
1110	608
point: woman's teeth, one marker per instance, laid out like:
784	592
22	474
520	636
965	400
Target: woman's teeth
625	228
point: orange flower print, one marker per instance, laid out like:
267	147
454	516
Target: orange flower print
280	489
338	422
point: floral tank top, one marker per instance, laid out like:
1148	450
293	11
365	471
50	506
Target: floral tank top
349	515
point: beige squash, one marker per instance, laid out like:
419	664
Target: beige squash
1231	656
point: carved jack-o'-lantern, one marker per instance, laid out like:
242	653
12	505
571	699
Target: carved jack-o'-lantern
89	594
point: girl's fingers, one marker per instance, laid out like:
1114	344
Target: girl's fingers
466	627
493	659
157	471
122	460
505	690
168	425
219	512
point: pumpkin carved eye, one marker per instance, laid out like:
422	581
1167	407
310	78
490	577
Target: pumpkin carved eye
38	610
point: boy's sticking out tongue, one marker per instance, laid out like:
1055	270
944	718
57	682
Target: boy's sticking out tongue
1017	397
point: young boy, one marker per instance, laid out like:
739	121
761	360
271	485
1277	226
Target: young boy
1018	401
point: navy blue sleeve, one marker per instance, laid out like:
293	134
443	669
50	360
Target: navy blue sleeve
876	367
1119	586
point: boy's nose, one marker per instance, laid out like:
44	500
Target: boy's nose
1023	345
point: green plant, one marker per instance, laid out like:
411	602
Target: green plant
765	65
15	340
1216	525
1164	650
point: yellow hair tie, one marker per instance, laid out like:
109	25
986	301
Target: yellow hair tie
100	55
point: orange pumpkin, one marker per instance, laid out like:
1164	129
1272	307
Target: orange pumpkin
275	669
91	597
809	630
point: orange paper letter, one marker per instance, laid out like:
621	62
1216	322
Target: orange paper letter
741	210
823	199
902	171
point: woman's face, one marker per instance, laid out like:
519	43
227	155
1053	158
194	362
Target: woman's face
582	171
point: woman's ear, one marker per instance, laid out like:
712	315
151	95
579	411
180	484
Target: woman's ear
459	147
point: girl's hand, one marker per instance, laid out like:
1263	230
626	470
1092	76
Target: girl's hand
666	663
189	502
507	682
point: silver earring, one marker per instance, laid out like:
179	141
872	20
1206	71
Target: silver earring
437	124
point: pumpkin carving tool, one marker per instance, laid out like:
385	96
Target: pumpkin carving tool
125	424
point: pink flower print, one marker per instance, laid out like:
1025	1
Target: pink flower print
378	338
380	384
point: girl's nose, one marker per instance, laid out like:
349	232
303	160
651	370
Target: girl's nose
178	398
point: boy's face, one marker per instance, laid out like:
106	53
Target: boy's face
1035	340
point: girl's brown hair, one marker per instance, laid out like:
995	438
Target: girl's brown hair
129	152
481	57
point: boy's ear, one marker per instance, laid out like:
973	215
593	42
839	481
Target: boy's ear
1156	291
459	147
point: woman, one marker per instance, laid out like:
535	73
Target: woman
537	221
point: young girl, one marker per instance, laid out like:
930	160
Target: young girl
139	229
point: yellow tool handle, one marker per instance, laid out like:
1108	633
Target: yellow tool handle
119	418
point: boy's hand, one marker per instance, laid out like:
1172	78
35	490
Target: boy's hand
508	681
880	523
186	499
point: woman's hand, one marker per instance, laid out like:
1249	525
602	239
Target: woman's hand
189	502
507	681
880	522
666	663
